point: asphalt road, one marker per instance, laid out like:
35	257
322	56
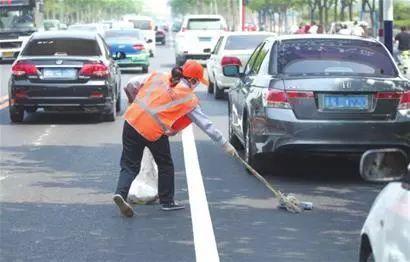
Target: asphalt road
58	173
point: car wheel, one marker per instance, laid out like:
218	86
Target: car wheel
218	92
233	139
179	61
151	54
145	69
16	114
118	102
110	117
163	42
210	87
250	156
366	252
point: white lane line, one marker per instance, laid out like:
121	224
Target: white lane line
204	237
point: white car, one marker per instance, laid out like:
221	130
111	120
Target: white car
232	47
95	28
385	235
146	25
198	36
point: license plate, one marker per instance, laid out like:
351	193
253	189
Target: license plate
205	39
8	54
57	73
355	102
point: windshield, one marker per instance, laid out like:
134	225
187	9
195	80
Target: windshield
334	57
16	20
244	42
142	24
205	24
123	34
62	47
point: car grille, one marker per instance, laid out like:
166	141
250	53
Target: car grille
10	45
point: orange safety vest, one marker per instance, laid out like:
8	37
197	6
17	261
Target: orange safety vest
159	109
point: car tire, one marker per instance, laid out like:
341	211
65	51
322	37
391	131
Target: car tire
151	54
118	102
210	87
110	117
145	69
16	114
218	92
366	252
250	156
163	42
233	139
179	61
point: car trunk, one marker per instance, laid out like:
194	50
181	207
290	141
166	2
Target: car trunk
343	98
201	40
60	77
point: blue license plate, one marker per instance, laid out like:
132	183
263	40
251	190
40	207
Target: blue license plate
59	73
355	102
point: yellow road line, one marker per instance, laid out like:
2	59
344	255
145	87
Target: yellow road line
4	105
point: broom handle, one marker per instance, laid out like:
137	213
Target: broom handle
258	176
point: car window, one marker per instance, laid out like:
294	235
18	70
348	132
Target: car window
244	42
62	46
123	34
334	57
260	58
218	45
205	24
251	60
143	24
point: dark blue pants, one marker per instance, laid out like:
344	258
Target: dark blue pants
133	145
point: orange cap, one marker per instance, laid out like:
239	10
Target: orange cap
193	69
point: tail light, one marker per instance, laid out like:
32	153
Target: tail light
96	95
94	69
138	47
183	29
389	95
405	101
22	68
225	29
281	99
230	60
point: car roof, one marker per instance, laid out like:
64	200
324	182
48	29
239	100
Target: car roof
322	36
203	16
249	33
88	35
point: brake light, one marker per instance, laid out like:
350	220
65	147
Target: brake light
405	101
22	68
276	98
94	69
389	95
300	94
230	60
138	47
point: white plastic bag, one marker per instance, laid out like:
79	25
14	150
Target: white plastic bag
144	188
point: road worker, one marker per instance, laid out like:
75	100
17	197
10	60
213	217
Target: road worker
163	106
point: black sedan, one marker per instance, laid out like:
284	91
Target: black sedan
318	94
68	71
160	37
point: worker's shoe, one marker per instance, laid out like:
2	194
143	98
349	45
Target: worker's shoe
172	205
124	207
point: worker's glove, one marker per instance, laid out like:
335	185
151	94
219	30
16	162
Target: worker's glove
229	149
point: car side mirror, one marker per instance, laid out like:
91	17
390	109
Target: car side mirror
384	165
231	71
119	56
149	41
207	50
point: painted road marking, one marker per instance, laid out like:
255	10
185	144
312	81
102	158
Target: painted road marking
204	237
46	133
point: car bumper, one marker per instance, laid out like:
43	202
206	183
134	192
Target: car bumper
224	82
281	131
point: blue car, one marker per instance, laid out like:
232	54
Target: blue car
129	48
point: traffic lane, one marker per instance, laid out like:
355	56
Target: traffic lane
5	72
248	224
56	199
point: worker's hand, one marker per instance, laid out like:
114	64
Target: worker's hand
229	149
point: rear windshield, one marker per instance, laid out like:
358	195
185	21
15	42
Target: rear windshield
123	33
334	57
142	24
205	24
243	42
83	27
62	46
